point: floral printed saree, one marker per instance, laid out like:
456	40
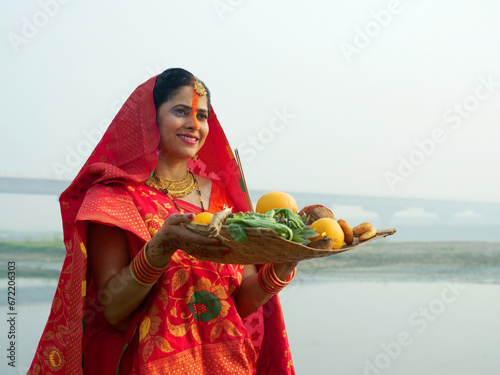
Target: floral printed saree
189	322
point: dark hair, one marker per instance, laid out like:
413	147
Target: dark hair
170	81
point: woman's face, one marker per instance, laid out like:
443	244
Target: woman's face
183	129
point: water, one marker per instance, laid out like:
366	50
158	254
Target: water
30	322
341	327
386	260
33	300
393	328
385	308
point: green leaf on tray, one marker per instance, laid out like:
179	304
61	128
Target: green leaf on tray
238	232
288	224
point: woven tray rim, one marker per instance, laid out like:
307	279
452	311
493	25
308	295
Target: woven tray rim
264	245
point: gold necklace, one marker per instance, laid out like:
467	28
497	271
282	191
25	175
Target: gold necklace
176	188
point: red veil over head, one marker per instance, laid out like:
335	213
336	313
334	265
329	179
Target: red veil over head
127	154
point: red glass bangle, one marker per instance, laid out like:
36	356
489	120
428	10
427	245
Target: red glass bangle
143	272
269	282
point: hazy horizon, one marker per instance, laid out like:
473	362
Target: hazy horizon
385	98
412	223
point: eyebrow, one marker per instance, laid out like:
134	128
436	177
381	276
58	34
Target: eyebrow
189	108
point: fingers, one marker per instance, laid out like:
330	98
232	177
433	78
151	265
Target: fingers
176	219
207	251
214	244
194	243
174	231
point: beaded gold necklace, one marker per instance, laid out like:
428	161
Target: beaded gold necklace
176	188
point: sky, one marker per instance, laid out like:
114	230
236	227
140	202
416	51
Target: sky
383	98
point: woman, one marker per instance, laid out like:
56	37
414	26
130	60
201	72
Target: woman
146	305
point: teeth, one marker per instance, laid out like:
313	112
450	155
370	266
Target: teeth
187	138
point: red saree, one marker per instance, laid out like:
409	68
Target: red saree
188	323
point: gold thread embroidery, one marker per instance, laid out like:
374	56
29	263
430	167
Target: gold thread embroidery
236	358
83	249
230	152
55	358
144	328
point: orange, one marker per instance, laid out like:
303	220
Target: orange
327	227
275	199
203	218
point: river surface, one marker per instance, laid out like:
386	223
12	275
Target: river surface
389	308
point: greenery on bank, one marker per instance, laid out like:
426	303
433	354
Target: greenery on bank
38	272
48	250
41	258
465	260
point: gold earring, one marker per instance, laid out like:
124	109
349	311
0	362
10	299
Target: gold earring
195	157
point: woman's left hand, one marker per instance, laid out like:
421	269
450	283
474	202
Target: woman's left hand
283	270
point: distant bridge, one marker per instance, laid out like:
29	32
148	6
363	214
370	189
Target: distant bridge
25	185
384	207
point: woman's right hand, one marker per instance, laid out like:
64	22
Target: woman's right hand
174	235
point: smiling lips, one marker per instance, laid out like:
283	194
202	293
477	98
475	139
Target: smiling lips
187	138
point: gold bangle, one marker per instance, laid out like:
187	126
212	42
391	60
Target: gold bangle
278	281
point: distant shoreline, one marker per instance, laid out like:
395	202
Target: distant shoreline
470	261
407	232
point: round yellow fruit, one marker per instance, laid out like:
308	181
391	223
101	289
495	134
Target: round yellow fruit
203	218
327	227
275	199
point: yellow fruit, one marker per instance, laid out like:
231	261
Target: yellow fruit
327	227
203	218
275	199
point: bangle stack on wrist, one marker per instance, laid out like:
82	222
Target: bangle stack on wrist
269	282
143	272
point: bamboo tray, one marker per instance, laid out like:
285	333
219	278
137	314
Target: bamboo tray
265	246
